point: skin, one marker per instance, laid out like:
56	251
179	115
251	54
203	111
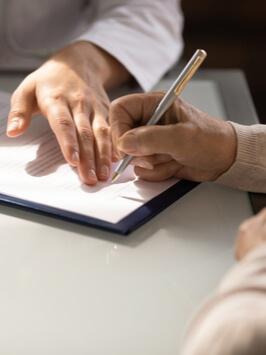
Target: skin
188	143
251	234
70	91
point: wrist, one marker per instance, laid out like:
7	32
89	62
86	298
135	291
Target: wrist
229	149
109	71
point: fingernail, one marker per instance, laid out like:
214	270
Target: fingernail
92	175
13	126
128	143
75	158
104	171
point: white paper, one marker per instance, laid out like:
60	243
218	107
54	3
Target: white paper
32	168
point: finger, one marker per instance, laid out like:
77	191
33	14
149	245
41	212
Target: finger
171	168
115	156
159	172
142	162
87	166
251	233
130	110
150	140
103	146
149	161
23	105
154	159
246	237
60	119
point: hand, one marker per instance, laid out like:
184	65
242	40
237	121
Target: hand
251	233
190	145
69	90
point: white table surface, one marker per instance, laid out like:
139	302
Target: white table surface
68	289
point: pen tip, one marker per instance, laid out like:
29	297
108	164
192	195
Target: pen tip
115	176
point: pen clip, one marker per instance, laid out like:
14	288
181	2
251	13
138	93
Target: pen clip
190	69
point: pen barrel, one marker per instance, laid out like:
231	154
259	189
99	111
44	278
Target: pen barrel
189	70
178	85
123	164
164	105
170	97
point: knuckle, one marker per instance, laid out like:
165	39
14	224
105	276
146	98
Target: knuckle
64	121
57	95
79	101
54	96
16	112
102	131
47	103
85	134
117	106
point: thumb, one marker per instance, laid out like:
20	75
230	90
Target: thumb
148	140
21	109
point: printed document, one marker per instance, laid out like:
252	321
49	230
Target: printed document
32	168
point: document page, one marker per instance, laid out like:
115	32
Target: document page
33	168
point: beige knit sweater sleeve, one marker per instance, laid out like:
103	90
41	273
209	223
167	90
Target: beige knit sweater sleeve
249	170
233	320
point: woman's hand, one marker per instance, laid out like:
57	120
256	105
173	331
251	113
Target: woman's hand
69	90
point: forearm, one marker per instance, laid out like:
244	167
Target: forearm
226	323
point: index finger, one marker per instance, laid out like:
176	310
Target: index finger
130	111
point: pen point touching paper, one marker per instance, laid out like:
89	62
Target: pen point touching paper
115	177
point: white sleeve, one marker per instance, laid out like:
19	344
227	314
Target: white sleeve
144	35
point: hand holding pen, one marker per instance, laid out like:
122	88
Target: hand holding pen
188	144
168	100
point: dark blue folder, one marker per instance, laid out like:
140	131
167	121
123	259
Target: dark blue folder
125	226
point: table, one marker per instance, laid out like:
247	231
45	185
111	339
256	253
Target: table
68	289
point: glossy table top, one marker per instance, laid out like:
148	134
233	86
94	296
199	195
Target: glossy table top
68	289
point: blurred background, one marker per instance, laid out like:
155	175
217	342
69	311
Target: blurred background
233	33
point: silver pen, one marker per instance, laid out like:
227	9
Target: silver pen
168	100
